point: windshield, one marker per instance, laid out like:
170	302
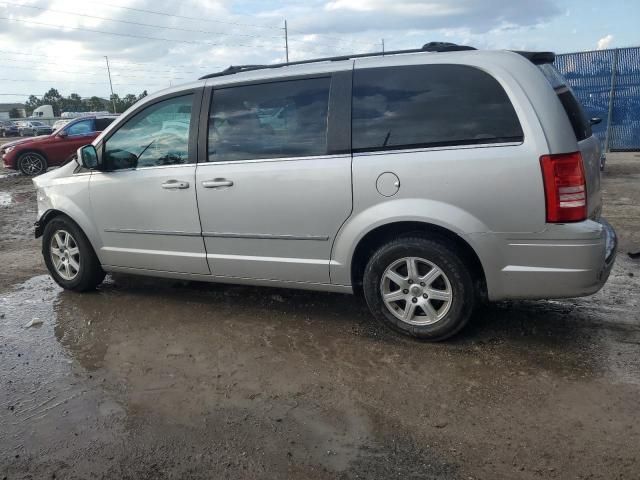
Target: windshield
38	124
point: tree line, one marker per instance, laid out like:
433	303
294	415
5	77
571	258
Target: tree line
75	103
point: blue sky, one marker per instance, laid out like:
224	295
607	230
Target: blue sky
154	43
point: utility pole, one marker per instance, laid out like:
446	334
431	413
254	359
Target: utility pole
286	40
383	47
111	85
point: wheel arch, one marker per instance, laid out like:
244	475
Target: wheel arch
46	218
54	213
382	234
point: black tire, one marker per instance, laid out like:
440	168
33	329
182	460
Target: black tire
457	281
32	164
89	274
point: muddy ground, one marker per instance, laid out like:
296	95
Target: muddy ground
154	379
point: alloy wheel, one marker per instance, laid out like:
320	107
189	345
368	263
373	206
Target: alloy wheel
32	164
65	254
416	291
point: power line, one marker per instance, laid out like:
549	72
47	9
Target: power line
166	74
79	82
65	60
161	27
190	30
19	95
165	14
130	35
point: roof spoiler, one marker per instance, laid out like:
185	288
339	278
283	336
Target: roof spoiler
538	58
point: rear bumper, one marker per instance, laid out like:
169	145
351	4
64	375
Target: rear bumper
569	260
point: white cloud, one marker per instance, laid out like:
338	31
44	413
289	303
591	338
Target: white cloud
605	42
210	35
407	7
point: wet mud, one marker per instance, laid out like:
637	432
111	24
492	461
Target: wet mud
155	379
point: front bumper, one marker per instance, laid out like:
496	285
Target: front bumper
567	260
8	160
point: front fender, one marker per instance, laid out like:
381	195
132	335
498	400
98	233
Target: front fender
68	195
425	211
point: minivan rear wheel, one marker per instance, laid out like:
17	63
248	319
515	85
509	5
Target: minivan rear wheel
419	287
69	256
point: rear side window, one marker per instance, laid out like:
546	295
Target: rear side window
102	123
576	114
269	120
430	105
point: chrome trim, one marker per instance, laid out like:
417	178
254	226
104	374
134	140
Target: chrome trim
206	163
153	232
166	166
252	258
260	236
266	236
435	149
135	169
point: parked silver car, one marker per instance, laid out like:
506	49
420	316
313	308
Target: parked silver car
426	180
33	127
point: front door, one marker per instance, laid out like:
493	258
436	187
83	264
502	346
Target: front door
270	194
69	139
144	204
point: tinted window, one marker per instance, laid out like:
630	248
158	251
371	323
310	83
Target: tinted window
80	128
102	123
271	120
430	105
572	107
158	135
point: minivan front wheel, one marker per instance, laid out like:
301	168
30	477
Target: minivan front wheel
69	256
32	163
420	287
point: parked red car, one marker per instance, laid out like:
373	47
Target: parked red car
32	156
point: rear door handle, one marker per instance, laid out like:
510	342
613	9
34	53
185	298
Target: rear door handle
217	183
175	185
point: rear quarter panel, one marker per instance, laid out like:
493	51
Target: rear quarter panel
468	189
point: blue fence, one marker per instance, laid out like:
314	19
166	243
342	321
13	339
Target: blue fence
607	83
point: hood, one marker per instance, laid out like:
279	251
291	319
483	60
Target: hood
46	178
38	139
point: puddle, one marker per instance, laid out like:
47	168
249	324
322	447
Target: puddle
7	175
5	199
143	367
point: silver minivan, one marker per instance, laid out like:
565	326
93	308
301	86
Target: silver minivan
427	180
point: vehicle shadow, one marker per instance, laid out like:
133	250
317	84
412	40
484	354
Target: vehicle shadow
567	336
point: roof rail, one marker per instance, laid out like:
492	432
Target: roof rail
427	47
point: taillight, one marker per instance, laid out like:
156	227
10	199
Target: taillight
564	187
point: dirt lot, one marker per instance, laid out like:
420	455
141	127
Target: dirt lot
153	379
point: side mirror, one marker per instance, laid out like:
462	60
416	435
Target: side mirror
595	121
63	134
88	156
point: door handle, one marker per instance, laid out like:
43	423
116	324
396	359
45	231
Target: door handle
175	185
217	183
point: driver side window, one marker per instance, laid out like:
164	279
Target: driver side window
80	128
156	136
